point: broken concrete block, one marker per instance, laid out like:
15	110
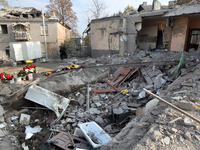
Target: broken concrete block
151	104
2	119
173	130
2	125
189	122
68	127
166	140
177	98
2	134
180	138
188	136
80	115
1	110
156	135
94	111
99	120
78	133
108	128
1	99
81	99
25	119
95	98
98	104
5	91
69	120
26	148
187	105
93	105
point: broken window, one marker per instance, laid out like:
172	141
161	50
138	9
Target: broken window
4	29
46	29
195	37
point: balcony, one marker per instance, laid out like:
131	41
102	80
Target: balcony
22	35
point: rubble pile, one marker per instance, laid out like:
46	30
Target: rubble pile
111	100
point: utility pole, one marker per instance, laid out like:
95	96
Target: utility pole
45	41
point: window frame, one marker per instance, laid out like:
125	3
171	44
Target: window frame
42	30
1	30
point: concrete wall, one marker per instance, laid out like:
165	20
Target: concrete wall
131	34
63	33
147	36
101	37
179	34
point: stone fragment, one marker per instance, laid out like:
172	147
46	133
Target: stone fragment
156	135
81	99
93	105
98	104
78	133
25	119
69	120
5	91
94	111
187	105
68	127
187	135
95	98
1	99
173	130
80	115
180	138
2	119
1	110
108	128
166	140
99	120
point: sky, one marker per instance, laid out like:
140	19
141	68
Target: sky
81	6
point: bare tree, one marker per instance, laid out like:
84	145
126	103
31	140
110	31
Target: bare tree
97	9
63	10
4	3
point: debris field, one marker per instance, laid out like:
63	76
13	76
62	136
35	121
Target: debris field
147	101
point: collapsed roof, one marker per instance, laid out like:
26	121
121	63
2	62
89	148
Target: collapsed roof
20	12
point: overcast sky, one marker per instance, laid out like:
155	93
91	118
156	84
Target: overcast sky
81	6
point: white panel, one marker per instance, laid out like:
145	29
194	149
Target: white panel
37	48
12	52
18	52
30	50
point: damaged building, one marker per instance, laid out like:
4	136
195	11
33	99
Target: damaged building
172	27
24	24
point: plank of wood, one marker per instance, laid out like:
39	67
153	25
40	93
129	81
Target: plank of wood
107	90
173	106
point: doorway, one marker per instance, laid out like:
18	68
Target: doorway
159	44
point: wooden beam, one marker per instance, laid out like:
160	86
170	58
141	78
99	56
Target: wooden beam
173	106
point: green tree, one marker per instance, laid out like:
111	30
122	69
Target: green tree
127	8
4	3
118	13
64	12
86	41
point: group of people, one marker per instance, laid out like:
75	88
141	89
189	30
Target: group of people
63	52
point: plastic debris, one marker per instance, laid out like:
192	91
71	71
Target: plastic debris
30	131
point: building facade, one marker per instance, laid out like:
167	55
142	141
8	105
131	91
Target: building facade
172	27
26	24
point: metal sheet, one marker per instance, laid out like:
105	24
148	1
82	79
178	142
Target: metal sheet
47	98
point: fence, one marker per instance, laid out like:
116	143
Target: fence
81	51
